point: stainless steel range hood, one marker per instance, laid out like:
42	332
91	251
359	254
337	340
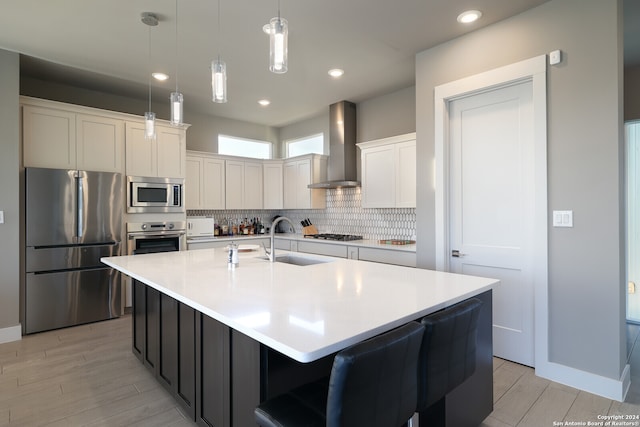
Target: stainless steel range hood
341	171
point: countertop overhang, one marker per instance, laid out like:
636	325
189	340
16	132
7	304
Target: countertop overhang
304	312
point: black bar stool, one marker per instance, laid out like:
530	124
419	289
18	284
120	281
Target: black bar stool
447	357
372	383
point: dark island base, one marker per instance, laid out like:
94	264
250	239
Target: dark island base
219	375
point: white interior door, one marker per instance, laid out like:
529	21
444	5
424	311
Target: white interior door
491	207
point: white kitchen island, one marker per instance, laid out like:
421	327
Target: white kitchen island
269	313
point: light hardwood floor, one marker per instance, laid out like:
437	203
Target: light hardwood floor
87	376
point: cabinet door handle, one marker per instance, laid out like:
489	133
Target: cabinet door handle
456	253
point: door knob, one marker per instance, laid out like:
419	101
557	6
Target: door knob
456	253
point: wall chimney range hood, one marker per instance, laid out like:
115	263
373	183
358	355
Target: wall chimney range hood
341	170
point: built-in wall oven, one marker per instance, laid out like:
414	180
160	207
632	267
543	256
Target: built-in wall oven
152	237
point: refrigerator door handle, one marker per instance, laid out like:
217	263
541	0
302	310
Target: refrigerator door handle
80	212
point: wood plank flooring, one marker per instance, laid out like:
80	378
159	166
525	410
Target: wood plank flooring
87	376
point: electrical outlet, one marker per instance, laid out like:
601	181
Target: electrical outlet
632	287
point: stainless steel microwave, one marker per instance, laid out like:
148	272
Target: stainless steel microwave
154	195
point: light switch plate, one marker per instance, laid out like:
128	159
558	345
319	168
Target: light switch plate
1	217
563	218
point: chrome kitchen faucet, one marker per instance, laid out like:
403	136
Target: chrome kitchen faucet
272	253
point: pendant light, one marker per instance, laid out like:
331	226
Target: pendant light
150	20
278	30
176	98
219	73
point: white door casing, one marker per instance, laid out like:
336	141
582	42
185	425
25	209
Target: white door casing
504	236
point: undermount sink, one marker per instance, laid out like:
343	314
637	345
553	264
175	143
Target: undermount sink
297	260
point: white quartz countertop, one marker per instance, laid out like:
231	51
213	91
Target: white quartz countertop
369	243
304	312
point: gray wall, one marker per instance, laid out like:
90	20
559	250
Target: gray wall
586	263
387	115
204	130
202	134
632	93
9	193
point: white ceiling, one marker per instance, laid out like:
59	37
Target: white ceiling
102	44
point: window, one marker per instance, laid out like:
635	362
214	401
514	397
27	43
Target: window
233	146
306	145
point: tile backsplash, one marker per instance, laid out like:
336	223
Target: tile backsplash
343	215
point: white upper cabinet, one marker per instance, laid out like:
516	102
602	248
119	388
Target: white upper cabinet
49	138
243	184
298	173
272	184
193	183
163	157
205	182
68	139
213	183
388	169
100	143
65	136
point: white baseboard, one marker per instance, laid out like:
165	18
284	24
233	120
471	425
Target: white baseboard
592	383
13	333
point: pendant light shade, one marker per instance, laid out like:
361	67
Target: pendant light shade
149	125
219	73
278	45
219	80
176	99
150	20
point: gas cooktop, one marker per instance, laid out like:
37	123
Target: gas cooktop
332	236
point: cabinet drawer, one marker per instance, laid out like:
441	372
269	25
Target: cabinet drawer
283	244
407	259
323	249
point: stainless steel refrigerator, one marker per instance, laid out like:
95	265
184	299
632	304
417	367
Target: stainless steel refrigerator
73	218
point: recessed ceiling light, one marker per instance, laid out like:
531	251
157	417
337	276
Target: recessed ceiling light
160	76
264	102
469	16
336	72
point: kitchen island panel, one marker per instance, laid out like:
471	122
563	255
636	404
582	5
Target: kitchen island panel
213	373
267	327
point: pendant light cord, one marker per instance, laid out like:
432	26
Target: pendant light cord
177	61
219	44
149	71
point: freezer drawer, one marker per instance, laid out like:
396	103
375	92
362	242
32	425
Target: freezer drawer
58	300
67	258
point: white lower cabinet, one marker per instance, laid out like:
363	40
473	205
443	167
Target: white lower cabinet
193	245
387	256
339	251
362	253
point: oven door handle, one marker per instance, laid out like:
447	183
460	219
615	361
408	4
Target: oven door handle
155	234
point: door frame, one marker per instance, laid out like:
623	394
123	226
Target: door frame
534	70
